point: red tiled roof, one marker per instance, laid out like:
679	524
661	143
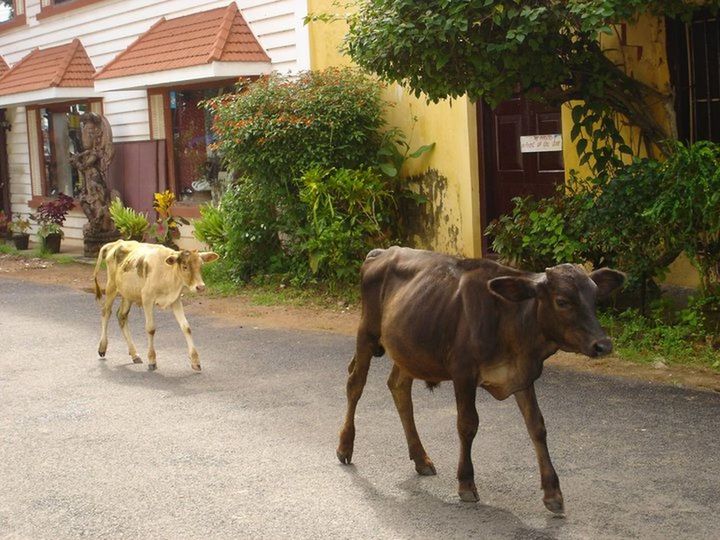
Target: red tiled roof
3	66
220	35
62	66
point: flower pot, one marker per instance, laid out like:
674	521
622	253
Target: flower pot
51	243
21	241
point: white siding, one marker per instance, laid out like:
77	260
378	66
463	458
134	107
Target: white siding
105	29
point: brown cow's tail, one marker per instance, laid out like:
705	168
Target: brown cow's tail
101	257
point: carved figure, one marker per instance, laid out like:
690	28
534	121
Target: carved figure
93	163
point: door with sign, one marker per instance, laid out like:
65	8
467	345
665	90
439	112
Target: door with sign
520	145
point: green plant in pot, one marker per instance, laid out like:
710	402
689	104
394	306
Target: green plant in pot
131	225
19	228
50	217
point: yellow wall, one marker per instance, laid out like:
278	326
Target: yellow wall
450	125
645	56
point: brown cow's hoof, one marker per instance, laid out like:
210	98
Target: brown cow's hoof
426	469
468	493
101	355
344	458
137	360
555	505
152	367
196	367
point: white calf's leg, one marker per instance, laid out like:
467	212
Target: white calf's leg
150	329
179	313
110	295
122	315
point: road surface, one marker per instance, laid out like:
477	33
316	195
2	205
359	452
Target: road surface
246	449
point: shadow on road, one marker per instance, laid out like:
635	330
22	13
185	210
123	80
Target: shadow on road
130	374
423	510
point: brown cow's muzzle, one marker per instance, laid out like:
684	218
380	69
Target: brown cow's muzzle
601	347
201	288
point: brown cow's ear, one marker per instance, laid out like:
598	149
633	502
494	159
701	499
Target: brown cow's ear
208	256
172	259
513	289
607	281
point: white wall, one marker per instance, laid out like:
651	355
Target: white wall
105	29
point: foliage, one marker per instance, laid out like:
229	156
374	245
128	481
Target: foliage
51	215
668	335
349	213
19	225
395	151
166	228
211	228
493	49
686	208
131	224
278	127
539	233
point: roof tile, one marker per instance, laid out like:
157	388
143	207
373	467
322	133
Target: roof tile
62	66
216	35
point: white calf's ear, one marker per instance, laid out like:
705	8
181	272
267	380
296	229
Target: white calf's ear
208	256
513	289
607	281
172	259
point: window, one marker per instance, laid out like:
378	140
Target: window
694	57
60	136
12	13
48	8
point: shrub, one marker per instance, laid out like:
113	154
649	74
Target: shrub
51	215
210	228
348	213
278	127
130	224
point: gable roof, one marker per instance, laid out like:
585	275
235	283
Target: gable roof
3	66
219	35
55	73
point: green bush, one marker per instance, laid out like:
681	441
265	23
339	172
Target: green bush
211	228
132	225
348	213
278	127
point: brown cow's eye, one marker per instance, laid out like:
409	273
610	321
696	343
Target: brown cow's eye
562	303
184	267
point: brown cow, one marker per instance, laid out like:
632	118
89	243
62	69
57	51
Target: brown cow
476	323
148	275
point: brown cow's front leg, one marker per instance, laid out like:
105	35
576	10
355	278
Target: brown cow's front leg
467	426
400	386
179	313
358	370
527	401
150	329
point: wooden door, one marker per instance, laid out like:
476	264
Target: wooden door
4	172
510	172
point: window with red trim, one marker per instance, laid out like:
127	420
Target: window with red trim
12	13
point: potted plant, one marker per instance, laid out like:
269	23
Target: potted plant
131	224
19	227
50	218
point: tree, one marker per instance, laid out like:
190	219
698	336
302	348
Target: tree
490	49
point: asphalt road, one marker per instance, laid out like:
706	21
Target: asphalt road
246	449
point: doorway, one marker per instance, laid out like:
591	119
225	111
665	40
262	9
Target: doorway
4	171
520	143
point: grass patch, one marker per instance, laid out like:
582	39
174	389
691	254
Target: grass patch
272	290
682	337
8	249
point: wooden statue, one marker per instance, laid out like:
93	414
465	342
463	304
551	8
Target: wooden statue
93	163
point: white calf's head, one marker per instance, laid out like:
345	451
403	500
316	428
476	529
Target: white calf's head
187	264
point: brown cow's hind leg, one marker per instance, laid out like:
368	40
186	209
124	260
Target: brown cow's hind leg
122	315
400	385
527	401
358	370
467	425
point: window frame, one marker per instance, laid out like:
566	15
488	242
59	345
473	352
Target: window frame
51	8
38	198
19	19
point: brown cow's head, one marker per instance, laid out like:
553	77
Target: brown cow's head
187	264
566	297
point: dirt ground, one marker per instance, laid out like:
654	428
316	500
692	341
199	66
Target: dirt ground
241	311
